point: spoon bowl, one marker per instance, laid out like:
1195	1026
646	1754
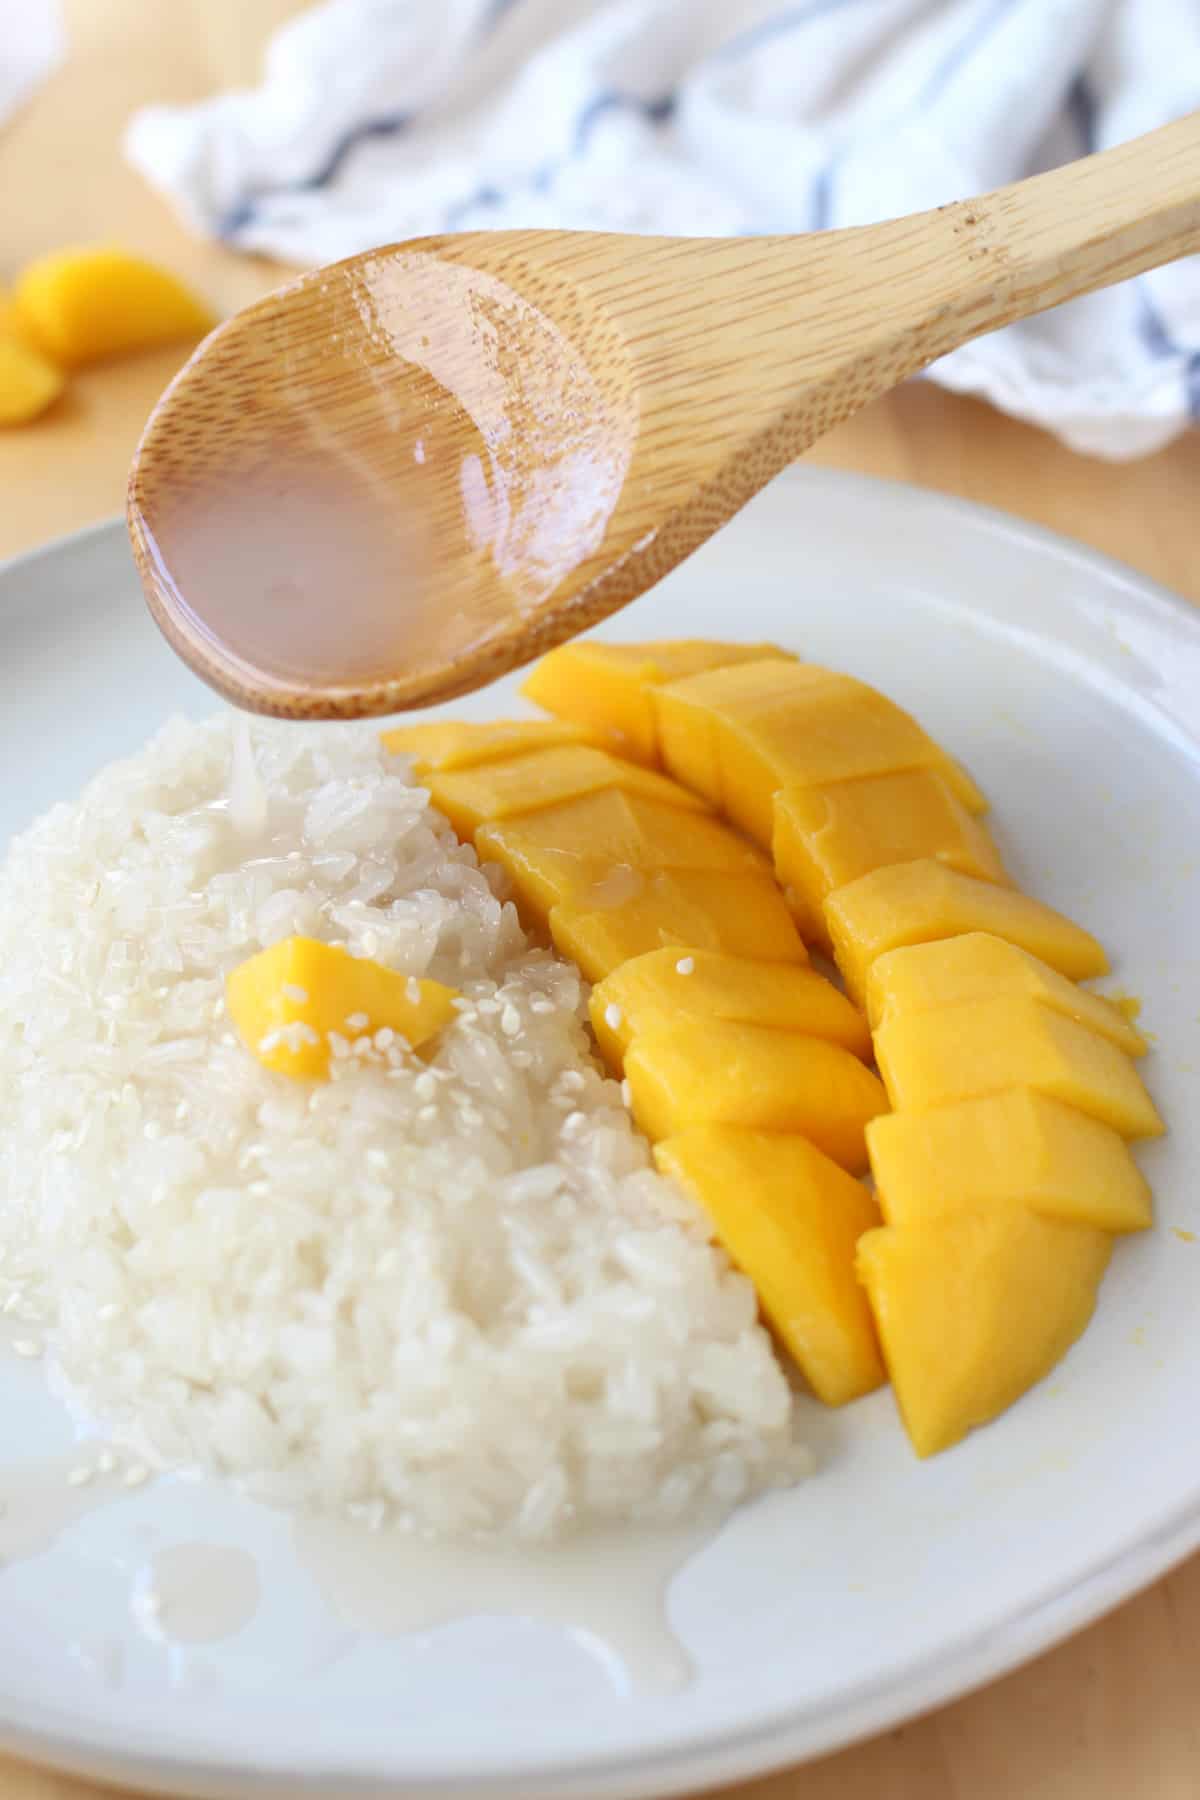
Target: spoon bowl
397	478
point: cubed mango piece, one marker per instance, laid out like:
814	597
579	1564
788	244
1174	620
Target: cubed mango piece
589	851
918	902
733	1074
979	966
836	730
85	304
288	1001
29	382
608	687
654	990
1018	1148
831	833
464	744
790	1219
694	909
975	1307
470	798
933	1059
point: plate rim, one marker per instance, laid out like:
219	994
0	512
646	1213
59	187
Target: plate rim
957	1668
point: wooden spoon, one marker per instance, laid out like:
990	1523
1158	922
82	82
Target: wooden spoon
398	477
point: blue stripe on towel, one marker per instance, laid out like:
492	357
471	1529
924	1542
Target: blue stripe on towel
391	125
1152	327
657	111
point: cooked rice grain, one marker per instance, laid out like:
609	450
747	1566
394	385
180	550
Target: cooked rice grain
457	1290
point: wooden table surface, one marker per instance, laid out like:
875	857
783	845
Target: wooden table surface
1111	1715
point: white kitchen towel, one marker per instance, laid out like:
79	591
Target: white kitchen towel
31	47
378	120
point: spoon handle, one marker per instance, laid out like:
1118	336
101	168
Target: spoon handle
1081	227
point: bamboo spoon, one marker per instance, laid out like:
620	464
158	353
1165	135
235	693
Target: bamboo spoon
401	476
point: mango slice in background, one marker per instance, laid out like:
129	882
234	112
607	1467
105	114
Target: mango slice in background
80	305
29	383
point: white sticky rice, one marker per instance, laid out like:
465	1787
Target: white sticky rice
452	1293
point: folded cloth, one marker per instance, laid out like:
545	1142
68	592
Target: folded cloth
31	48
378	120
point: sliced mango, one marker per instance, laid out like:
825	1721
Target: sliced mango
733	1074
463	744
933	1059
829	834
1018	1148
975	1307
917	902
691	713
789	1219
593	850
837	730
84	304
608	687
29	383
470	798
978	966
695	909
655	990
288	1001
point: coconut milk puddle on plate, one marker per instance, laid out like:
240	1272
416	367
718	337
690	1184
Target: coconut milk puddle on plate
606	1588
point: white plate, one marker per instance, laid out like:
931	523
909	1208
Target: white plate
884	1585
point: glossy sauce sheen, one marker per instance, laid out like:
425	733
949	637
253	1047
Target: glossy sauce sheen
384	496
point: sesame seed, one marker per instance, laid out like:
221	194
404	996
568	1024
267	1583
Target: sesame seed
612	1016
26	1347
626	1094
298	995
425	1086
385	1037
136	1475
426	1115
268	1043
510	1021
412	991
79	1477
570	1081
152	1129
573	1124
541	1005
339	1045
378	1159
686	965
357	1022
108	1311
259	1189
106	1463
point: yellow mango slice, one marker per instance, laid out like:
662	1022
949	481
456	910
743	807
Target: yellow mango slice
978	966
836	730
654	990
470	798
1018	1148
689	714
463	744
694	909
288	1000
790	1220
733	1074
831	833
608	687
933	1059
917	902
590	851
81	305
28	382
972	1309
